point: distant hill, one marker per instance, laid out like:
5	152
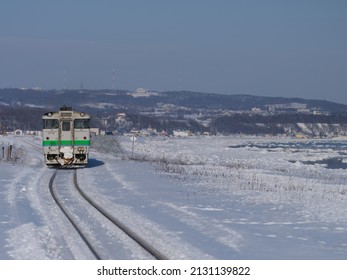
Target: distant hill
172	110
194	100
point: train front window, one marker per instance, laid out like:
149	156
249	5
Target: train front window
81	123
65	126
51	124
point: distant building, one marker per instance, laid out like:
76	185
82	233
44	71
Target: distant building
179	133
18	132
95	131
121	116
142	92
291	105
256	110
33	88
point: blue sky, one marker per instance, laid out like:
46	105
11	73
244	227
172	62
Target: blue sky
295	48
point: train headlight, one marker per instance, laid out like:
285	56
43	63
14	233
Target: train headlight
50	114
82	114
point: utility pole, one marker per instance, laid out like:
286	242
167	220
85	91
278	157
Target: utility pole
64	80
113	80
3	129
133	139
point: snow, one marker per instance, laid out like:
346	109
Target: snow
193	198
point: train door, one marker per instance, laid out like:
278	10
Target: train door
66	141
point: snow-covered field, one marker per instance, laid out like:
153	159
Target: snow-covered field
194	198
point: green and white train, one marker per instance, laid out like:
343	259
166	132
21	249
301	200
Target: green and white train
66	137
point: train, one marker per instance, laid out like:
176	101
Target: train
66	138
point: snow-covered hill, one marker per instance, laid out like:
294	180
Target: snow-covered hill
194	198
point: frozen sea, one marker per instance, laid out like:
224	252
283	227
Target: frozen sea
212	197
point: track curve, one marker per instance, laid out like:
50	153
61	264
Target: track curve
62	208
138	239
117	222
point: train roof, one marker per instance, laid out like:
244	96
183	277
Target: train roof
66	112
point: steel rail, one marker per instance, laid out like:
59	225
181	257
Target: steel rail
62	208
134	236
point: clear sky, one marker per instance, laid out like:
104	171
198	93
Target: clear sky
290	48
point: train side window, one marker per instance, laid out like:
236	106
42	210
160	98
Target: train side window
81	123
65	126
51	124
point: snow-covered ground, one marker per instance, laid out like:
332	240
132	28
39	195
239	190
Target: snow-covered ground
194	198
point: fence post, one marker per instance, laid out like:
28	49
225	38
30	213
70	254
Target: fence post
10	152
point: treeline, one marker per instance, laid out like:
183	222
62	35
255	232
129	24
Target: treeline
274	124
29	118
167	124
283	118
17	117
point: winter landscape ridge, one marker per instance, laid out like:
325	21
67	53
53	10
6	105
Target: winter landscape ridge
215	197
121	111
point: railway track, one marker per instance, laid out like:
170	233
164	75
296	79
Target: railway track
35	147
115	221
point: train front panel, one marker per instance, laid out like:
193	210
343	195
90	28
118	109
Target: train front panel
66	137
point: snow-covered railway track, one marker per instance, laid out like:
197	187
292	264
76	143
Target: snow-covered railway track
34	146
70	218
95	250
